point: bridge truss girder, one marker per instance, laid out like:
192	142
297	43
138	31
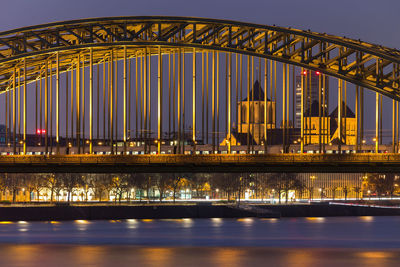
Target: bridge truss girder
364	64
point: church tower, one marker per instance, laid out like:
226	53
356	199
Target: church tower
251	114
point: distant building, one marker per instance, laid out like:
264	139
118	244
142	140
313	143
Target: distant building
310	96
329	126
253	106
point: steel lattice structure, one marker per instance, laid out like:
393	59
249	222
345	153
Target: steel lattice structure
37	53
367	65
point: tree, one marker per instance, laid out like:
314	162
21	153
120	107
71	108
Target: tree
334	189
163	181
3	185
70	183
382	184
285	182
34	184
230	183
176	184
197	182
357	190
12	182
99	185
87	184
274	182
345	191
52	183
119	183
140	182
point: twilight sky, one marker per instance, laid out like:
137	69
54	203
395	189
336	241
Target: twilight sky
369	20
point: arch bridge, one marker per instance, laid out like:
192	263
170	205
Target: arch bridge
182	85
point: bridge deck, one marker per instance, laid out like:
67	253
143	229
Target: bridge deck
203	163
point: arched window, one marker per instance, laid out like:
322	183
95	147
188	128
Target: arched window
244	114
262	113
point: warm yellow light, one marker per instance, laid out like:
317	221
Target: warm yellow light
82	221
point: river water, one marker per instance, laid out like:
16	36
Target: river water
346	241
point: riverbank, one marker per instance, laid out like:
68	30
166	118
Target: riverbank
170	211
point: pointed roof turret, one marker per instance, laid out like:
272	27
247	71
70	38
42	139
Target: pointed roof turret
257	93
314	112
345	111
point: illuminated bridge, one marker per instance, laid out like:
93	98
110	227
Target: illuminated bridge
204	92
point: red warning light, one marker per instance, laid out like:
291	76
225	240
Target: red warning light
317	73
40	131
304	72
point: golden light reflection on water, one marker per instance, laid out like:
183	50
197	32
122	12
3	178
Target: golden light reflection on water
375	258
375	254
82	225
272	220
316	219
27	254
187	223
367	218
216	222
6	222
89	255
228	256
108	255
246	221
157	256
132	223
299	258
23	226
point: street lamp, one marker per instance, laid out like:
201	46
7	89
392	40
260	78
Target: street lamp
273	195
312	177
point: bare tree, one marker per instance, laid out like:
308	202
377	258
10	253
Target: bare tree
71	182
12	182
162	180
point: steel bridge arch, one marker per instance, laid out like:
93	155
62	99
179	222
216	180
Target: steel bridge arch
368	65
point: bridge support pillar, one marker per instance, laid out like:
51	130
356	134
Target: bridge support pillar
159	99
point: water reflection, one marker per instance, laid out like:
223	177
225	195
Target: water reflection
204	242
246	221
216	222
23	226
187	223
367	218
316	219
82	225
132	223
79	255
335	232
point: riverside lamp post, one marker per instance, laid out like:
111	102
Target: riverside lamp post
312	177
273	195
